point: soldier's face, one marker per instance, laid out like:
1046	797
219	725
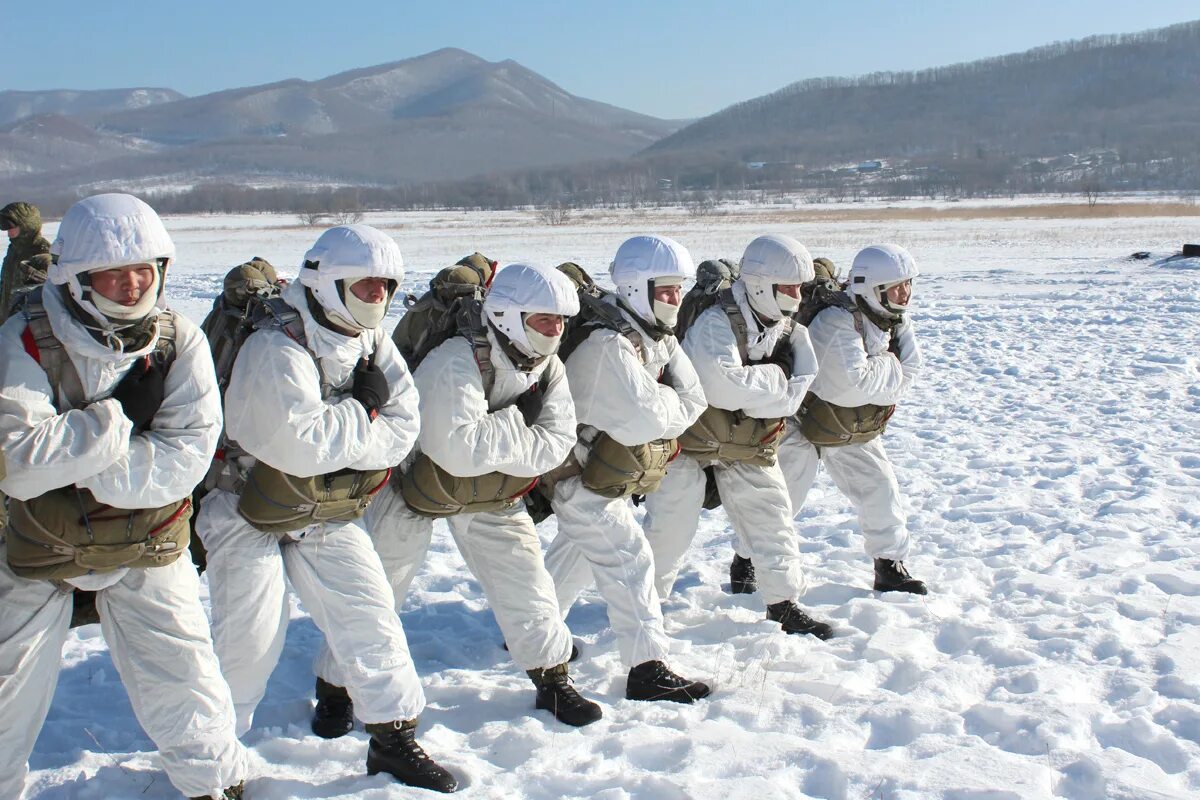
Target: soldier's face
900	294
13	232
545	324
790	289
671	295
124	285
370	290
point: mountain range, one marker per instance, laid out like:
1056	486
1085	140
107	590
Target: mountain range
444	115
1131	101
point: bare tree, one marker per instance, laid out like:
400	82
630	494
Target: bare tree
554	215
347	217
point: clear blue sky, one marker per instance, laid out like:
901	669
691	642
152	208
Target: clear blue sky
670	58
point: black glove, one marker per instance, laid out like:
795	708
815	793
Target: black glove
141	391
370	387
782	358
530	404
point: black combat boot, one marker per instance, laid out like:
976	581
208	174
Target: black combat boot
794	620
232	793
334	714
394	750
652	680
891	576
741	576
556	695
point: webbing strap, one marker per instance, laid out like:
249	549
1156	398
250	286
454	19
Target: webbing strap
741	331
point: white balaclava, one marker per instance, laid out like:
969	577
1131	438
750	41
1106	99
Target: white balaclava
105	232
519	290
769	261
645	262
876	269
341	257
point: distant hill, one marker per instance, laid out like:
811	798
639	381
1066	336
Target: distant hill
445	115
15	105
1138	95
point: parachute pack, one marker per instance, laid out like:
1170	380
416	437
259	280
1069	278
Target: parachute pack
594	312
712	277
436	315
245	289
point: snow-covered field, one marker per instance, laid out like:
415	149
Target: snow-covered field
1051	459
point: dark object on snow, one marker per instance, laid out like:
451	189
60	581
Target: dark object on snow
712	492
394	750
891	576
1191	251
652	680
741	576
231	793
794	620
83	608
334	714
556	695
1141	255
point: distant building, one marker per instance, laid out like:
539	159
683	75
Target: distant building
869	166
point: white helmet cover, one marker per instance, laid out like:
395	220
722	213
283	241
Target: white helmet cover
875	269
348	253
103	232
769	261
521	289
644	259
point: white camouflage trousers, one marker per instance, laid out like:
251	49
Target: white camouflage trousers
599	541
756	500
502	551
337	575
158	636
864	475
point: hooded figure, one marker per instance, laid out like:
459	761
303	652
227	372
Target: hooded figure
21	224
869	358
635	393
495	412
754	364
321	405
121	428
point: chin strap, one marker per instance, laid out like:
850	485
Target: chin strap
880	321
520	360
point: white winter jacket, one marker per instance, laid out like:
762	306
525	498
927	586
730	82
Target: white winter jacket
760	390
468	434
274	408
857	368
616	393
94	447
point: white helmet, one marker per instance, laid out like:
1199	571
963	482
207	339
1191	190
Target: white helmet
644	262
878	268
518	290
343	256
769	261
103	232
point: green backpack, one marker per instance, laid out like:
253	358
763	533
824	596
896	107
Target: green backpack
594	312
434	317
228	323
712	277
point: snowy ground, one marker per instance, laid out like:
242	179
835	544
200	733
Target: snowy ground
1052	466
